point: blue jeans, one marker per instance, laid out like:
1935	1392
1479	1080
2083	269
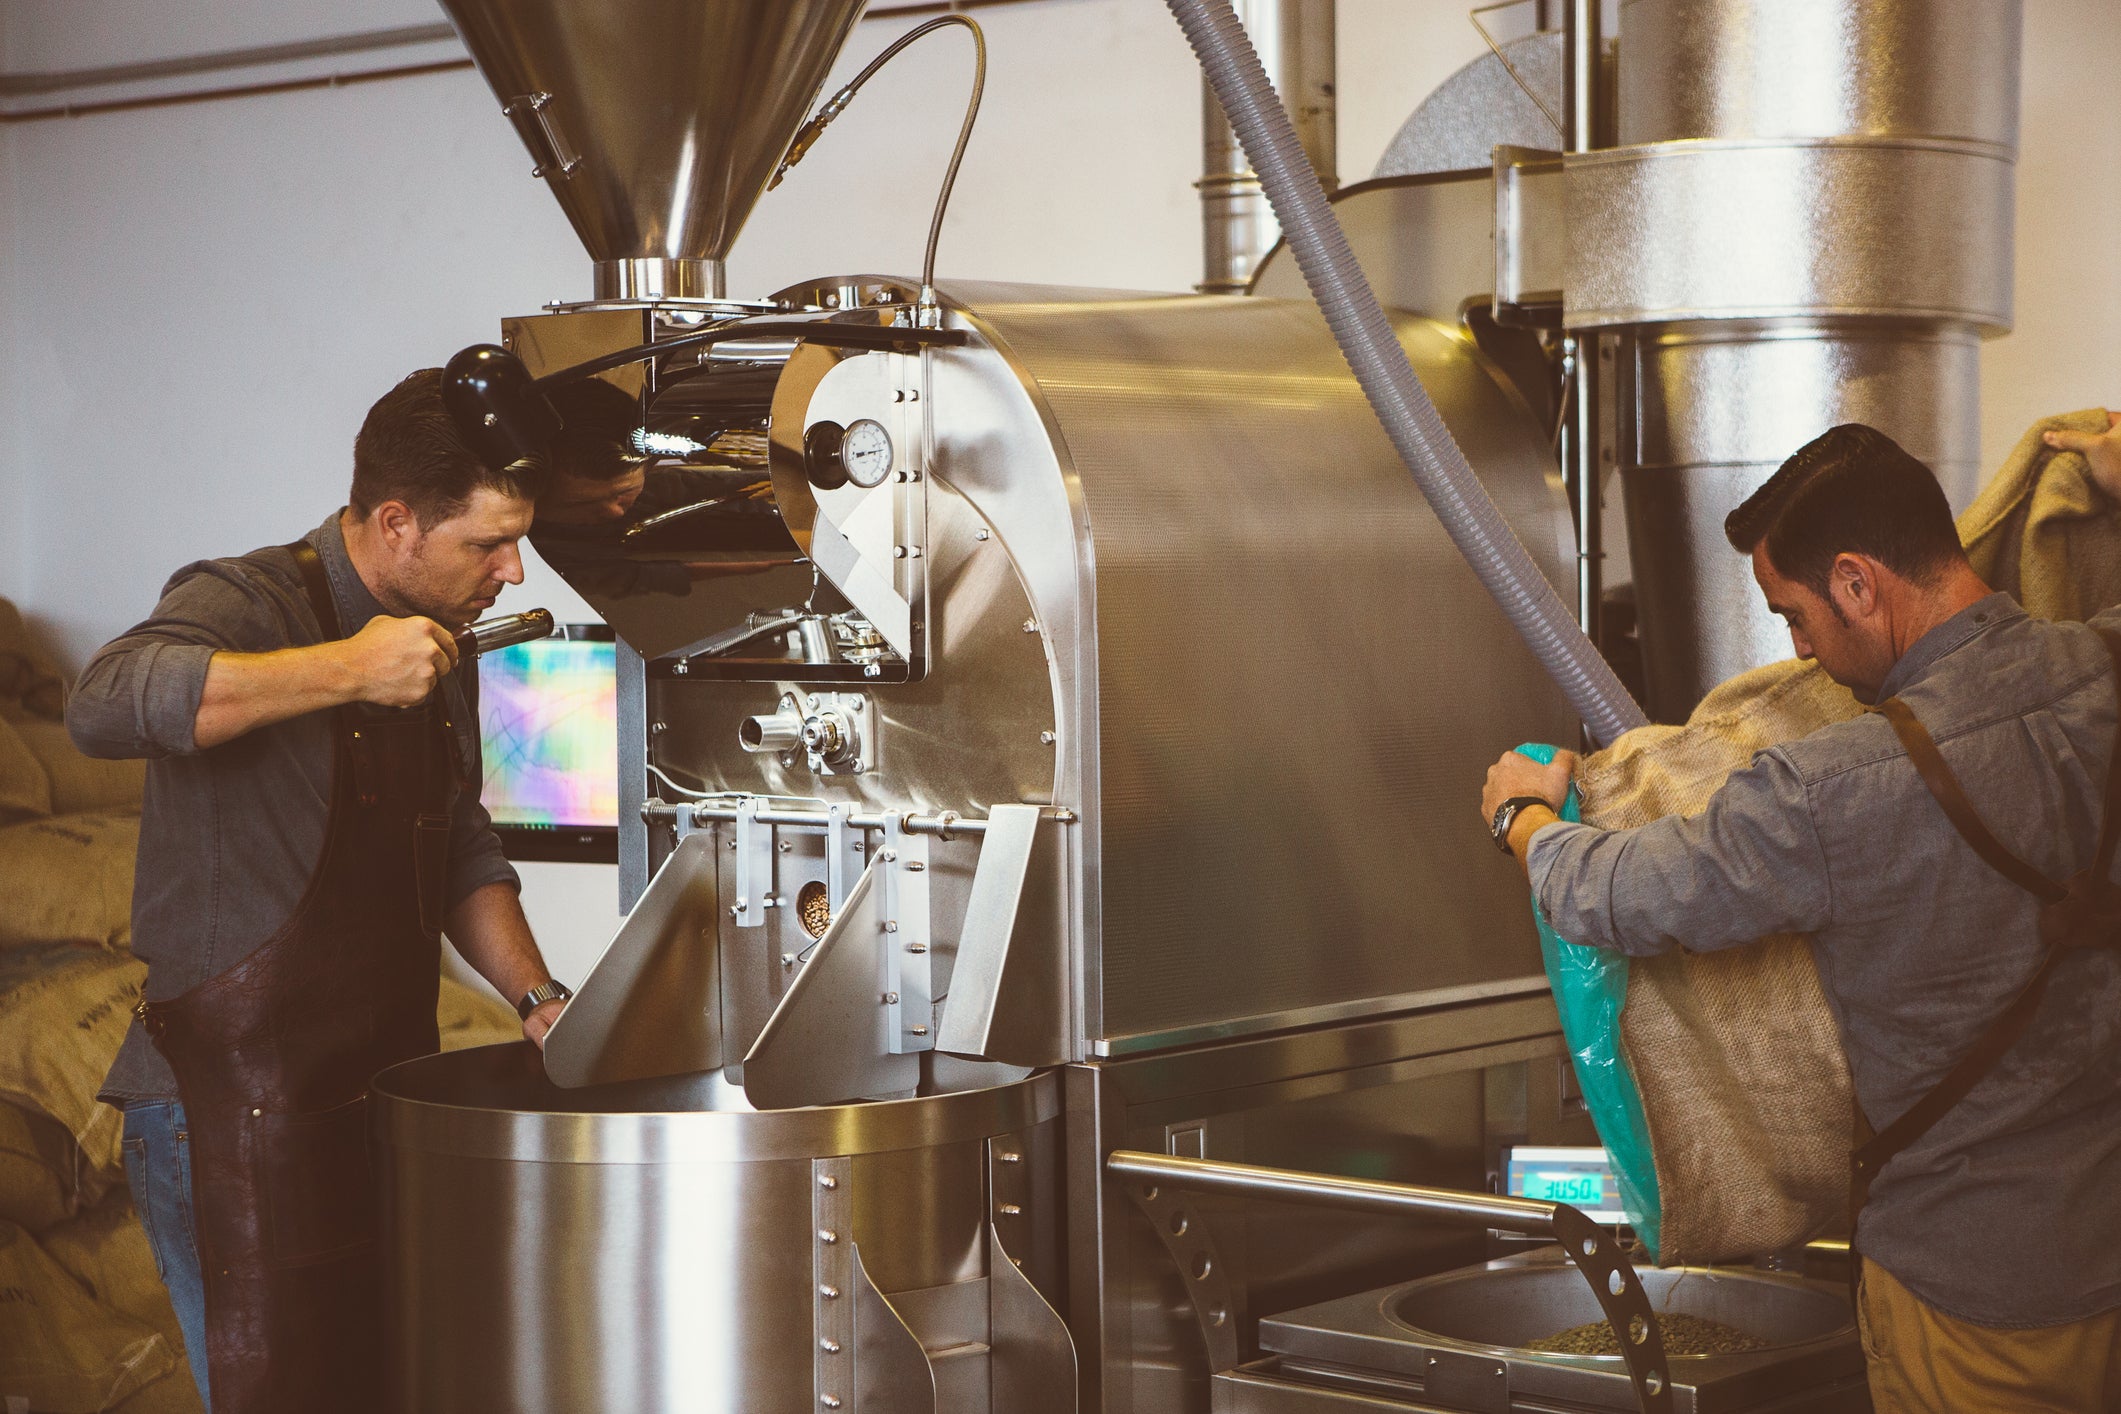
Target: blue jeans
158	1170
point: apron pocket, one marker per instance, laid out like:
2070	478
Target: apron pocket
314	1179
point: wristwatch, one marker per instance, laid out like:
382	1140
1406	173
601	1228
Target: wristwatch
539	995
1506	816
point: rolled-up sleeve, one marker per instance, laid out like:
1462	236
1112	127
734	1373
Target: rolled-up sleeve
1749	865
139	696
475	855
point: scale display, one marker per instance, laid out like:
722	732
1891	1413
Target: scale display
1580	1177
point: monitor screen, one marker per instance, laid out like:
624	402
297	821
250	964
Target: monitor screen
548	719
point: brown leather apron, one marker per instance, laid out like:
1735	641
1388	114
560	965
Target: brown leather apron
273	1059
2083	911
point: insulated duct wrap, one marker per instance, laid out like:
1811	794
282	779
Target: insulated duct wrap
1380	365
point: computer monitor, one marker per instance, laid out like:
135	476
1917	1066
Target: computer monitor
548	719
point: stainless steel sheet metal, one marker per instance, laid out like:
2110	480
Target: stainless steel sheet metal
1849	227
662	119
1819	68
1288	652
1720	406
1481	107
626	1247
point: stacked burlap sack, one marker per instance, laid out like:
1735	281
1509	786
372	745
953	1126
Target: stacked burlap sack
1737	1057
85	1324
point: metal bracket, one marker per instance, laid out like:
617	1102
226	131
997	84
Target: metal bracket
754	865
907	975
826	1041
1455	1379
832	1294
844	848
528	114
1605	1265
652	1003
1218	1303
968	1021
1032	1367
1531	237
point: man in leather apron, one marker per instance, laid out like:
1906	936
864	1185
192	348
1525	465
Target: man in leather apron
312	827
1952	856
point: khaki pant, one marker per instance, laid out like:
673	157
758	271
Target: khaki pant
1922	1361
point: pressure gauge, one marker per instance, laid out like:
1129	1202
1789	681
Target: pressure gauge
866	453
834	455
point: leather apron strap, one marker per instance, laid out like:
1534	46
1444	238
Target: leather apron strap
2072	916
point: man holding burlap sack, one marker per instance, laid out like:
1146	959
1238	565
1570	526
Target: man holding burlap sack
1950	856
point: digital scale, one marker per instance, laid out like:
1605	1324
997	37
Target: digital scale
1581	1177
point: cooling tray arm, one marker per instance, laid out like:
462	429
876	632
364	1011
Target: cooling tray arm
1155	1181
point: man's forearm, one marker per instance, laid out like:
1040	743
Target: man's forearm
1529	822
245	691
489	929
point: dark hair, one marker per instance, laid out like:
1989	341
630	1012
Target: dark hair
1852	490
409	450
595	441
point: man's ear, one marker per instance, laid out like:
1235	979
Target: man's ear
1853	582
396	522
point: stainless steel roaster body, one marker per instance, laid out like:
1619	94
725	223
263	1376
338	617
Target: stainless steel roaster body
1148	674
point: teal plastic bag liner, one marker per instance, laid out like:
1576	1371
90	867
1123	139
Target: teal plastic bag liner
1590	987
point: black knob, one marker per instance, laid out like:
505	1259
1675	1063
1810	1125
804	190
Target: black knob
821	455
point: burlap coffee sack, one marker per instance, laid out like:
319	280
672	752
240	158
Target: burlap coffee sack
68	879
60	1348
30	683
81	783
106	1250
63	1012
25	786
2041	531
467	1017
1749	1123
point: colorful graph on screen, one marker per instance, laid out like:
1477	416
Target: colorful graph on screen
548	715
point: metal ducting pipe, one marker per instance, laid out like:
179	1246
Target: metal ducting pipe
1380	365
1808	222
1295	42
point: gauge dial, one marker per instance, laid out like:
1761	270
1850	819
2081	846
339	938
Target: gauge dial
866	453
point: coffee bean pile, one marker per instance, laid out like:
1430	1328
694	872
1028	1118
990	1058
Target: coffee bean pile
814	908
1683	1335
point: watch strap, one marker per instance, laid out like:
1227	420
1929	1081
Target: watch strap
1506	816
539	995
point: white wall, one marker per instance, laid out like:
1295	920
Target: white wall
2062	353
263	268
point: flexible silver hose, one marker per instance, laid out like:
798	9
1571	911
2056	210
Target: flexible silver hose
1380	365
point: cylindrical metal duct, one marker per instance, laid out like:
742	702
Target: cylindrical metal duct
1811	226
1295	43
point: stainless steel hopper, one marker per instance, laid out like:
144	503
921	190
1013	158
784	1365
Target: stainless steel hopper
656	123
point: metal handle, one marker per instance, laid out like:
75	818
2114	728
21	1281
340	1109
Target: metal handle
489	634
1597	1254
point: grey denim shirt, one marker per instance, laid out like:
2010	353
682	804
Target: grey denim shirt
2005	1214
230	836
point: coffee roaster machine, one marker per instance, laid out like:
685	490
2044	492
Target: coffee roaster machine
1060	965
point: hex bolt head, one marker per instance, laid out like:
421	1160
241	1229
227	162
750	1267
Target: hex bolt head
982	535
1047	738
890	999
